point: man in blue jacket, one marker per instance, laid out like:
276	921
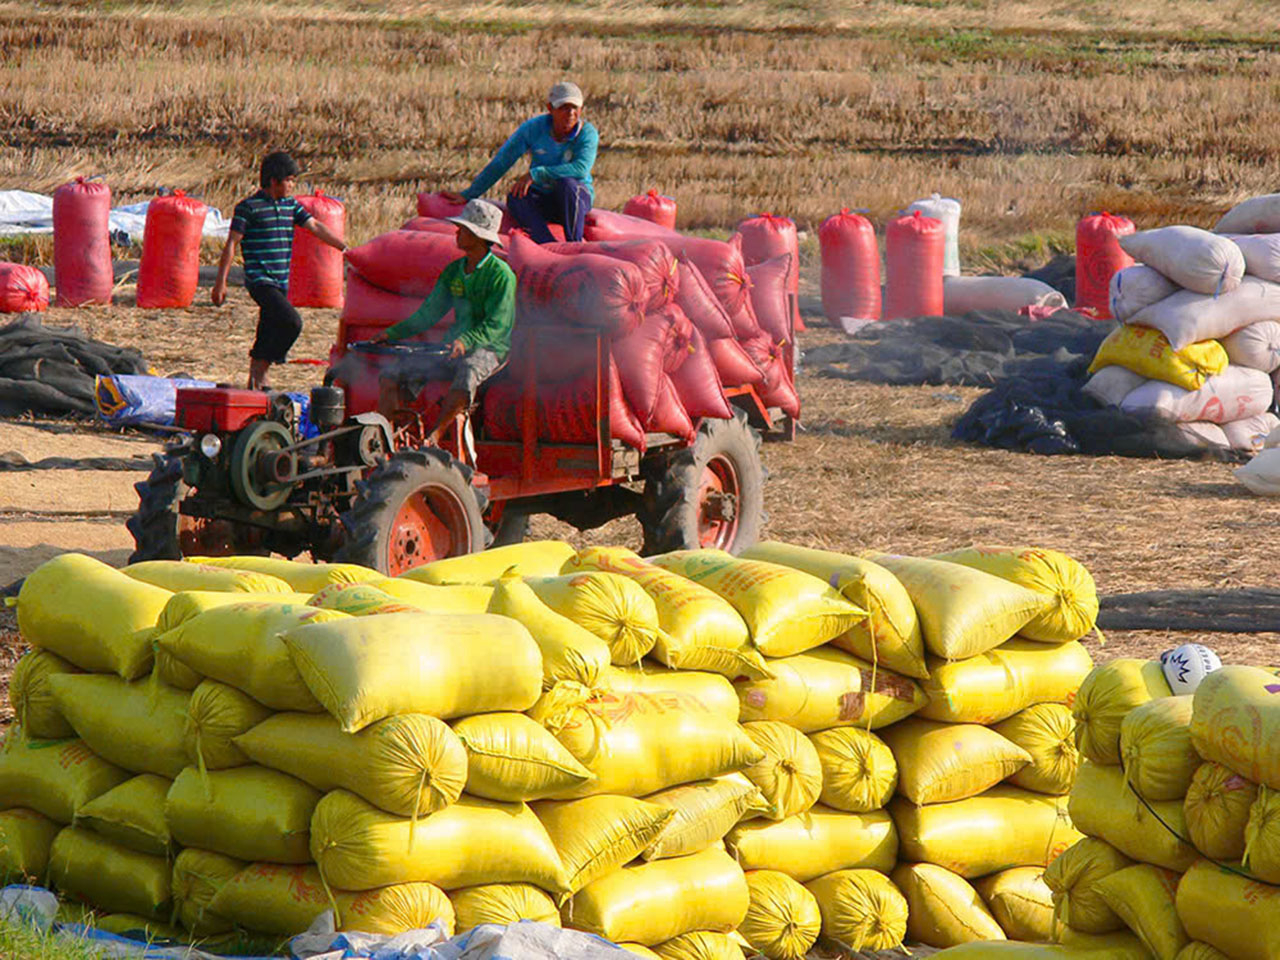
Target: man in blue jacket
562	150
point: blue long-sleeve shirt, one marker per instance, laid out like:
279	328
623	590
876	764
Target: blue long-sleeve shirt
550	159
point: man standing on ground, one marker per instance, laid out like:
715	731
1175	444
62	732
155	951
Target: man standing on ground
262	225
557	189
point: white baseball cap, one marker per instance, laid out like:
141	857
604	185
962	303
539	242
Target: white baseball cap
482	218
565	92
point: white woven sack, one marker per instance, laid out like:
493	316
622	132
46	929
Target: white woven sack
1192	258
1187	317
948	211
1261	254
1262	474
1110	385
1256	346
1255	215
1234	394
962	294
1204	434
1250	434
1136	287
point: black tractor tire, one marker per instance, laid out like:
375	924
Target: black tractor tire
155	525
512	527
671	512
371	536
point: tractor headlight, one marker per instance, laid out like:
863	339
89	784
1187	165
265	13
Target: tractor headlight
211	445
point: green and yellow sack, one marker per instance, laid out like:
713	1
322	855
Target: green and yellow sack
25	839
216	715
1235	722
360	600
1156	750
711	691
198	875
1105	698
434	598
1262	837
1238	916
1217	810
53	777
32	698
1074	880
1102	805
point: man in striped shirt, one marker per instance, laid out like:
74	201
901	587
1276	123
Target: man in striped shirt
262	226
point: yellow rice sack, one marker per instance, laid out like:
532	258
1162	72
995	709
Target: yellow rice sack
1102	805
216	715
963	612
513	758
704	811
569	652
244	812
32	698
783	920
938	762
109	876
241	645
177	575
537	558
25	839
433	598
1236	722
789	776
945	910
596	835
640	950
1105	698
700	945
699	629
1262	837
502	903
890	633
360	600
1113	946
283	901
995	685
861	910
409	765
1074	879
1143	897
711	691
827	688
1073	611
1217	809
1002	828
359	847
1155	746
131	815
137	726
301	577
1195	950
613	608
198	875
363	669
786	610
639	743
859	772
1047	731
53	777
1238	916
1147	352
133	927
650	903
1021	902
90	614
816	842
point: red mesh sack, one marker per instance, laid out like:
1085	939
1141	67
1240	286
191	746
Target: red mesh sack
568	414
778	389
722	265
769	300
587	290
669	415
82	243
501	406
641	358
698	384
607	225
915	246
23	289
733	363
367	303
765	237
695	297
1098	257
850	267
169	271
407	262
654	207
315	268
657	265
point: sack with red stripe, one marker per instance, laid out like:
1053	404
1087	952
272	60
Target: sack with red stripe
656	262
586	289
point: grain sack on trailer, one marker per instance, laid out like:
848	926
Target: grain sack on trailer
658	266
586	290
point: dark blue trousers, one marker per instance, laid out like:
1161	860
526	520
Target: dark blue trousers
566	202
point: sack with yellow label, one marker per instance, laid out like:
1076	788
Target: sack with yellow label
109	876
132	815
1147	352
652	902
90	614
569	652
890	633
137	726
816	842
502	903
995	685
1235	721
1047	732
1073	611
963	612
1217	810
700	630
301	577
1105	698
938	762
783	920
360	600
613	608
1143	897
537	558
434	598
700	945
859	773
409	765
704	811
53	777
1239	916
283	901
359	847
861	910
363	669
945	910
1002	828
25	839
1156	750
1074	879
216	714
1102	805
32	698
513	758
198	875
789	777
1021	902
711	690
244	812
786	610
177	575
827	688
1262	837
639	743
596	835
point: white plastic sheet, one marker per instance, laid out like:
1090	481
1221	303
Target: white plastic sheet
24	212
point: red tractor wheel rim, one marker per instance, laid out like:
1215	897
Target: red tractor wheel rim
430	525
718	495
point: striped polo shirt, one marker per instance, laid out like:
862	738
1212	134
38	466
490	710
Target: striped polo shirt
267	227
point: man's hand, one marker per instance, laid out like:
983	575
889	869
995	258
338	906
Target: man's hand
457	350
453	197
219	293
521	187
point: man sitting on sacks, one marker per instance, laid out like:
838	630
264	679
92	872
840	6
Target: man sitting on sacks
557	189
480	289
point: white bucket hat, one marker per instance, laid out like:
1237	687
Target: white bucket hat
482	218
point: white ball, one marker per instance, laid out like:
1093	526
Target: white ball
1185	666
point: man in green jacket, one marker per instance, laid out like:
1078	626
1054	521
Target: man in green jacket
481	291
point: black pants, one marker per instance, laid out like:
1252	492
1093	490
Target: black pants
278	323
